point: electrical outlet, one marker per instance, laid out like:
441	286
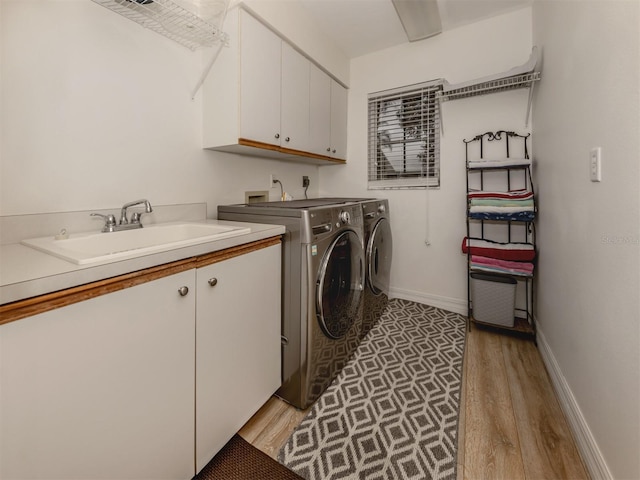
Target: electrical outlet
272	181
305	181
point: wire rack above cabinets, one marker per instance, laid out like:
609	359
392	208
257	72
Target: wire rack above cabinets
168	18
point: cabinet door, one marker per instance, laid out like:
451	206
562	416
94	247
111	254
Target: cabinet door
260	63
338	120
320	112
102	388
237	345
294	118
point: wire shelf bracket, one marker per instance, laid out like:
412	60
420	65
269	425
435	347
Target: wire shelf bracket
523	76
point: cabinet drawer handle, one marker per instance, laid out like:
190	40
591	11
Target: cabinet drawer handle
213	281
183	291
277	135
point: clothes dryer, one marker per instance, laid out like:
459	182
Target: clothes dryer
322	288
378	254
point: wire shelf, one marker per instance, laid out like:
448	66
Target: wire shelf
499	85
169	19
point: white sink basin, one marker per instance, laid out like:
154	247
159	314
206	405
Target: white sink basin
87	248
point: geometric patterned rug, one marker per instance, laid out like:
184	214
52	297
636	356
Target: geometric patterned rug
392	412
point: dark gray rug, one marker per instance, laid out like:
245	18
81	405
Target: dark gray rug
392	413
239	460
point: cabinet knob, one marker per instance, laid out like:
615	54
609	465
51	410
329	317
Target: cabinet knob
213	281
183	291
328	149
277	135
287	139
333	151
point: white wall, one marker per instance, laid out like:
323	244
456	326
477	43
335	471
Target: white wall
435	274
97	111
589	233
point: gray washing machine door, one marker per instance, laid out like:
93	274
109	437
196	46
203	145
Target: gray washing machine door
339	285
379	257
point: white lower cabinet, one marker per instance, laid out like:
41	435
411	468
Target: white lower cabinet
102	389
237	345
136	383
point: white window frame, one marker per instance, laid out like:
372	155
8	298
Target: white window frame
404	137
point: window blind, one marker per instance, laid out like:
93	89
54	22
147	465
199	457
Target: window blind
404	137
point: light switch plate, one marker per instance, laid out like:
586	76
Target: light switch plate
595	164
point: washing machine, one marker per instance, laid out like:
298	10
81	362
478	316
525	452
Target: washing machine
378	252
322	288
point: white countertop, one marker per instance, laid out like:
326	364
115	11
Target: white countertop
26	272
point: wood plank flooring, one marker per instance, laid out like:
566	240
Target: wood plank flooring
511	425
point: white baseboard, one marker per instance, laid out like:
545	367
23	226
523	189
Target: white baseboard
587	446
455	305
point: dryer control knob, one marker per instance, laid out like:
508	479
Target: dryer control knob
345	217
381	209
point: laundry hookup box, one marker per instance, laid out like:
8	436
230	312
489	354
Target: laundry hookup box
493	298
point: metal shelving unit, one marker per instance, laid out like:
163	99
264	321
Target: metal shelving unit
515	175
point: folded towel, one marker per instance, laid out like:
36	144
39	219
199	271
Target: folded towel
501	202
526	267
506	217
504	251
510	271
500	162
492	209
512	194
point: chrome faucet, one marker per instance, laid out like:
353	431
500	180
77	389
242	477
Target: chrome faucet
135	218
110	224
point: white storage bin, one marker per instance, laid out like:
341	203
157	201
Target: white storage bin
493	298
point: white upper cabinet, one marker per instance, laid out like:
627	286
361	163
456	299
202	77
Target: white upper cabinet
338	120
294	114
265	98
259	82
328	115
320	112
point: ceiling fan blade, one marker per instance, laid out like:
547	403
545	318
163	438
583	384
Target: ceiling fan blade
420	18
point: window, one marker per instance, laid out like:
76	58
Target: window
404	137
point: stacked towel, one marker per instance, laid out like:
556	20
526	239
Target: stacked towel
516	205
518	252
488	264
499	163
512	194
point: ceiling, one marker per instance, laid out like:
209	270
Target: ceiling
359	27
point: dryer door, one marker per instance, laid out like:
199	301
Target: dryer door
379	257
339	285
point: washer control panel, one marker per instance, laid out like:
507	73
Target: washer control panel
326	220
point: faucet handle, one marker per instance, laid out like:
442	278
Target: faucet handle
109	221
136	217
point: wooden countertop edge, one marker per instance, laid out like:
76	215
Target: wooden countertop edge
13	311
290	151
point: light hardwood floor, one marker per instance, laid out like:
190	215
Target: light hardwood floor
511	425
